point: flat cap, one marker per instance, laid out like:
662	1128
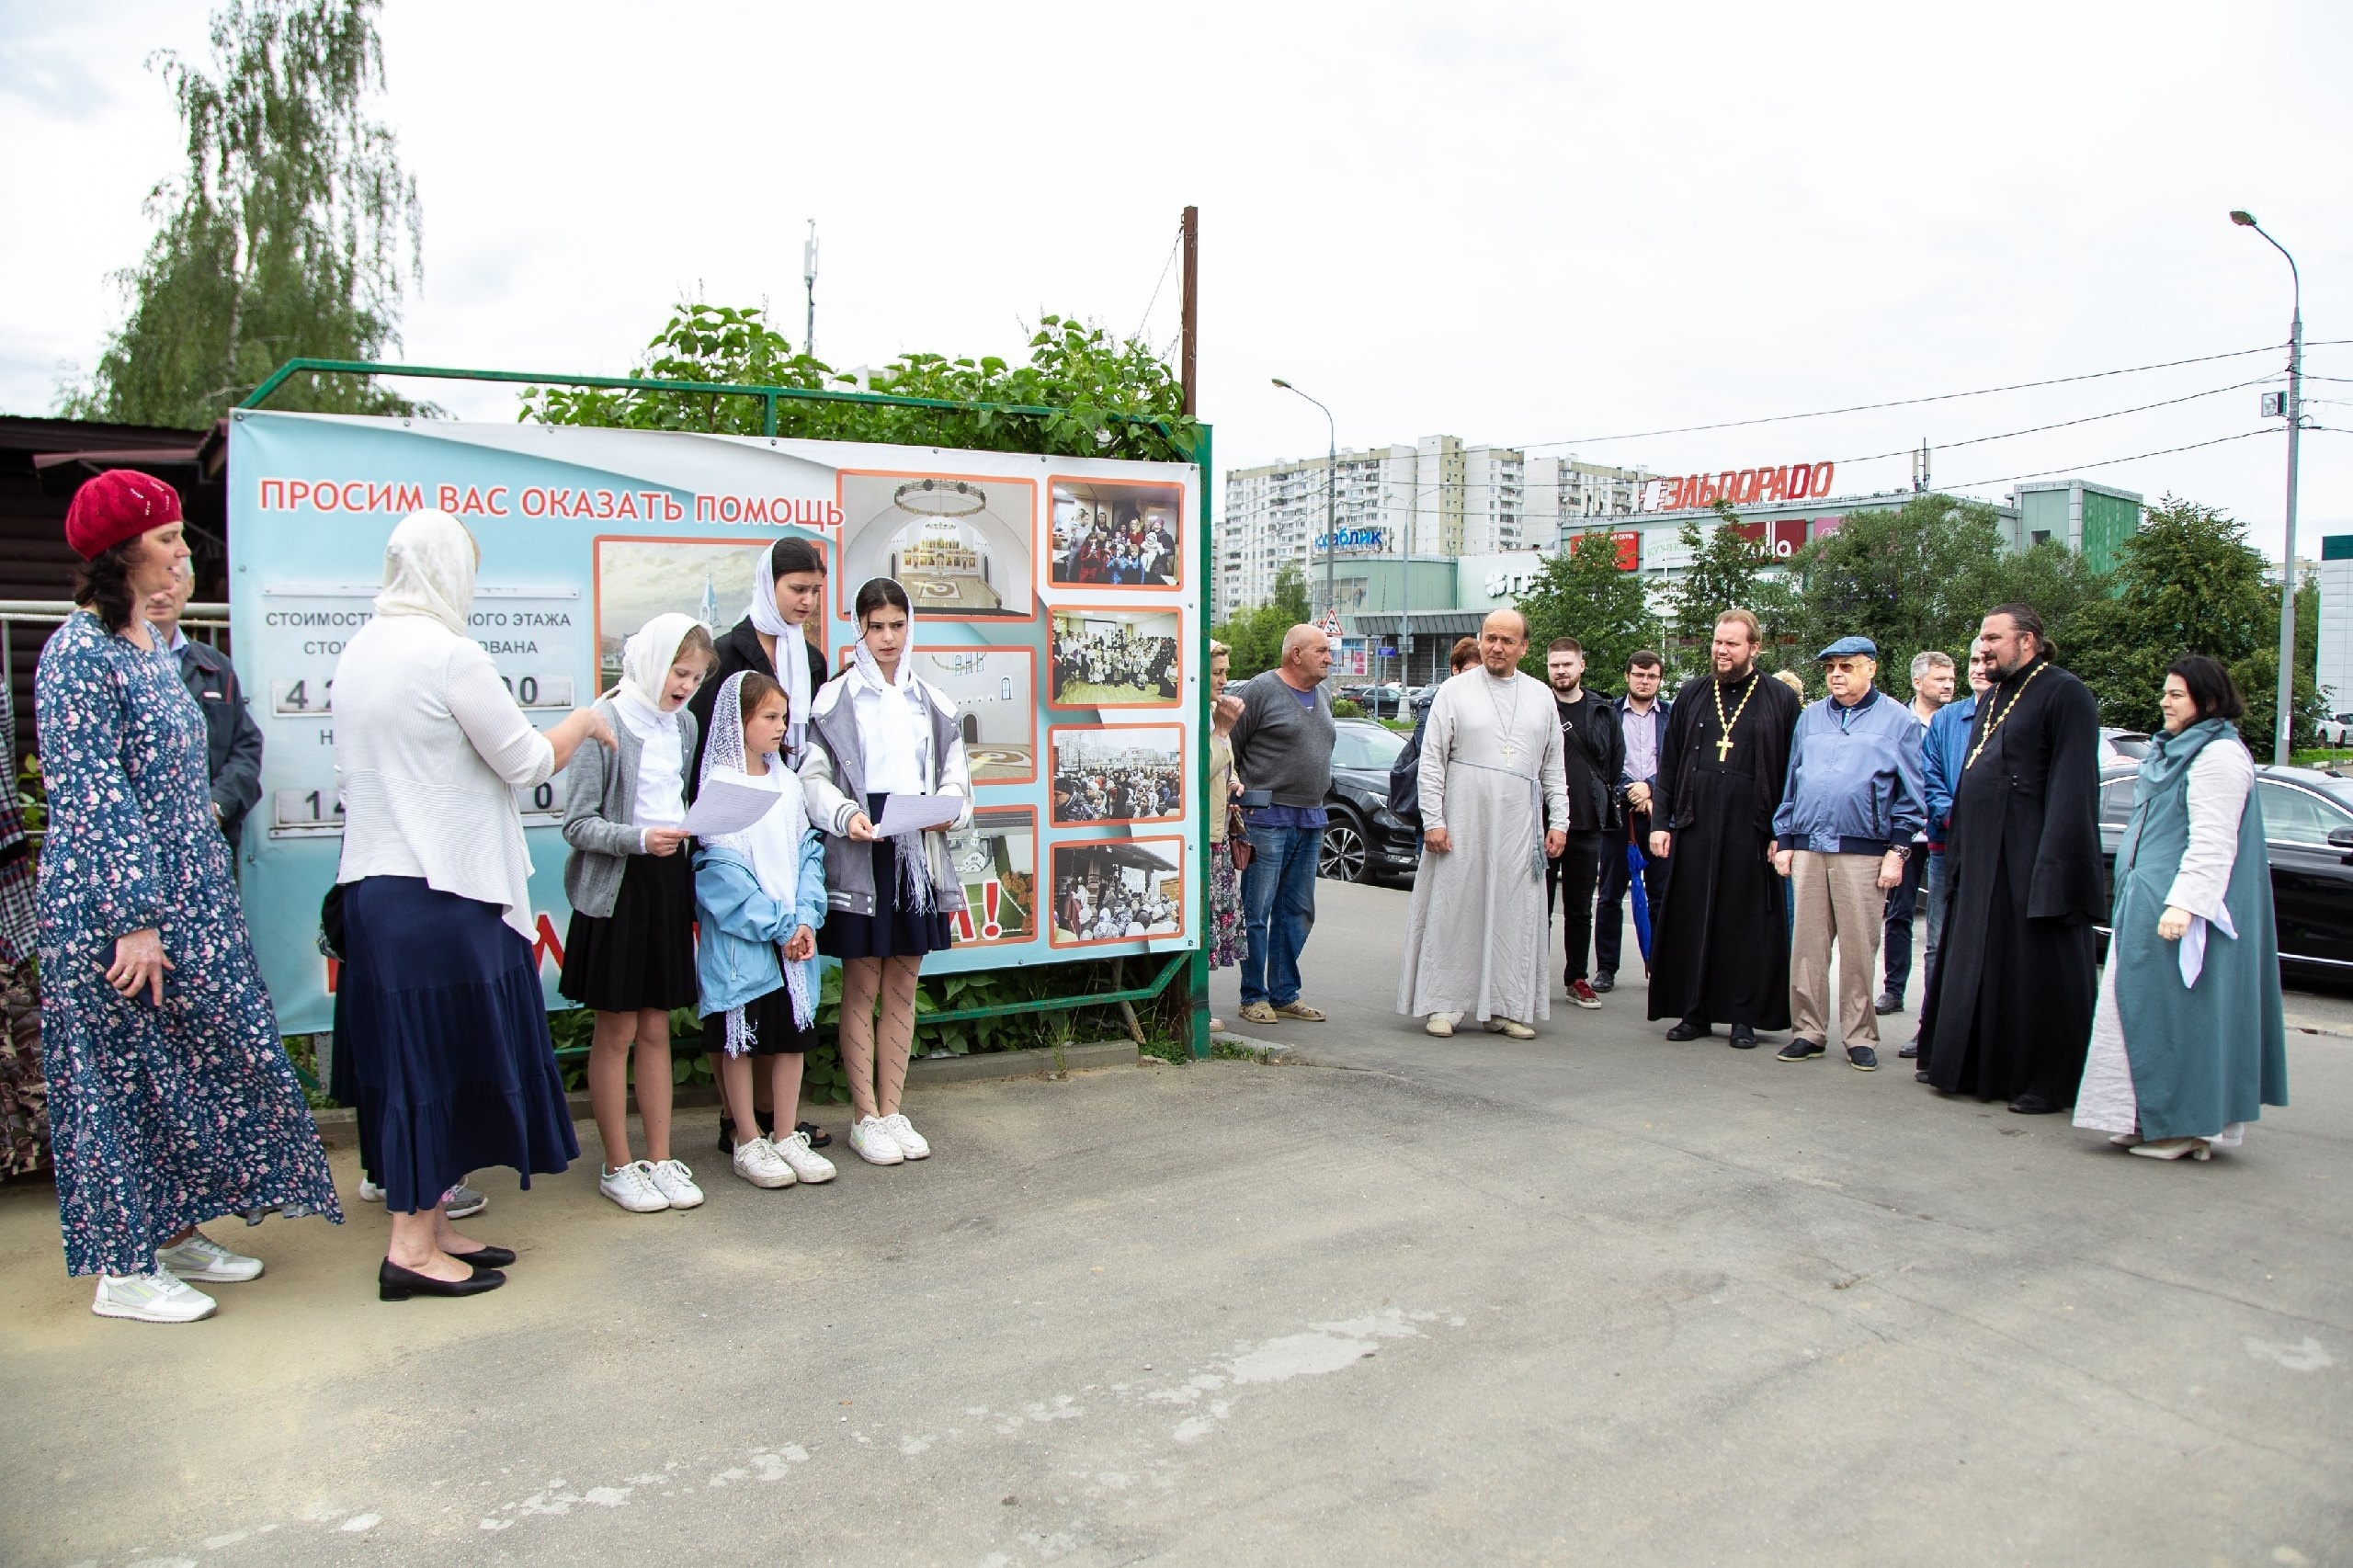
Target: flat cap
1846	647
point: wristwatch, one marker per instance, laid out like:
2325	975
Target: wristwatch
1900	851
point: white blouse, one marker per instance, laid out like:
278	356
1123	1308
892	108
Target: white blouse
2220	777
429	749
661	777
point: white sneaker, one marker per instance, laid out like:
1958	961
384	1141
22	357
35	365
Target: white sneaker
759	1163
808	1165
910	1142
1510	1028
1440	1026
202	1257
369	1192
674	1181
632	1187
159	1296
872	1142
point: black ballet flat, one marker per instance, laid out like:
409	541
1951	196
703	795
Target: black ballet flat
487	1258
394	1283
1687	1030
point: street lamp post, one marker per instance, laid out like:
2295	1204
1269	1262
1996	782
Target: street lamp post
2283	725
1331	496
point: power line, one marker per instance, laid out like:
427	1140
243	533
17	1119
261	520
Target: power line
1165	268
2110	462
1902	402
2064	424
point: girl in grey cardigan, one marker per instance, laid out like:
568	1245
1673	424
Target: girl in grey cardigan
879	729
630	953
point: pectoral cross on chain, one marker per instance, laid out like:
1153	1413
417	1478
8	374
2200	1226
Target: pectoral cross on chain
1723	748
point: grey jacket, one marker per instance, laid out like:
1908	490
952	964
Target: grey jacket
833	771
232	738
601	811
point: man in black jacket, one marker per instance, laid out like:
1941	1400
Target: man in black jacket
232	738
1593	750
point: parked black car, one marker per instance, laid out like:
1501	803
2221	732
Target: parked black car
2308	831
1361	838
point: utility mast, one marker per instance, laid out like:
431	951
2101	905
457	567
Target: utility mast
808	276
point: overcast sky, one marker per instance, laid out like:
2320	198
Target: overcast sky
1539	224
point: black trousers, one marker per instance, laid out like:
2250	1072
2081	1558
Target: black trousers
1573	877
1903	902
1609	907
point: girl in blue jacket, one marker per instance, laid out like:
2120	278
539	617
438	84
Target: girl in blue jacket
759	898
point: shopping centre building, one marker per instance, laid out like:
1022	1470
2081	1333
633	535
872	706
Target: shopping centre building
1400	614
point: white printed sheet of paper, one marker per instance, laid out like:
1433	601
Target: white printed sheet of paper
724	806
913	814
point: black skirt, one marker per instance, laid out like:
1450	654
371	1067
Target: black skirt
642	955
769	1017
892	930
441	1043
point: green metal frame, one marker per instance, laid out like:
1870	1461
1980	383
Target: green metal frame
1196	963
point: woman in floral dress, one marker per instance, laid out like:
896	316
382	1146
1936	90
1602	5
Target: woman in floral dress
1226	936
171	1101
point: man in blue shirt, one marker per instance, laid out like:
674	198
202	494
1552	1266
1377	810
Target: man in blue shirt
1842	834
1942	753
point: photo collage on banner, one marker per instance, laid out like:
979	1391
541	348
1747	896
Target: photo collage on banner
1056	607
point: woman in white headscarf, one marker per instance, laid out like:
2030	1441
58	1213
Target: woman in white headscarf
441	1033
630	953
881	730
788	597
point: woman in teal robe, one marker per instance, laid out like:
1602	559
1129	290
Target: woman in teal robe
2187	1043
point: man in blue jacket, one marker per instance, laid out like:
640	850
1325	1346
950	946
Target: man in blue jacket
1641	718
1844	831
1942	753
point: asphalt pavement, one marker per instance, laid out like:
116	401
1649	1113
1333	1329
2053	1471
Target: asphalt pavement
1595	1298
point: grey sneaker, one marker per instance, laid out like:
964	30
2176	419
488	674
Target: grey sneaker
464	1201
202	1257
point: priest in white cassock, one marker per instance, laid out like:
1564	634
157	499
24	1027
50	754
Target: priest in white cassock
1493	810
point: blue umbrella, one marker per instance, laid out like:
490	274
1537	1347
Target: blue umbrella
1641	898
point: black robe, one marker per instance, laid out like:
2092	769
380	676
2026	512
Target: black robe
739	649
1720	943
2009	1007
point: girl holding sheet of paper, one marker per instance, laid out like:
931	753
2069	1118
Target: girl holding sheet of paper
630	953
876	731
759	899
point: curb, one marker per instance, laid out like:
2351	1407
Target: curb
339	1128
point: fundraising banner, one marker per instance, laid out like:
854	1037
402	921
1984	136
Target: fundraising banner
1057	603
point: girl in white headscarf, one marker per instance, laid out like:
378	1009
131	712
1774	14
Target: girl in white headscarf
440	1028
788	598
881	730
759	899
631	950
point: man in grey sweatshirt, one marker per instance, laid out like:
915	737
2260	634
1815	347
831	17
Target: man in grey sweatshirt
1283	751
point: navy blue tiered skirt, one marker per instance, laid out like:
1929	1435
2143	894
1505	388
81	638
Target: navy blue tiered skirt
441	1043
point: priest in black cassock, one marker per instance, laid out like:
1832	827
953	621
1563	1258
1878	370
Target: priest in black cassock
2008	1014
1720	941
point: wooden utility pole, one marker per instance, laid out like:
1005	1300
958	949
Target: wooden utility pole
1191	229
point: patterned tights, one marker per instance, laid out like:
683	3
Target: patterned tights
877	1061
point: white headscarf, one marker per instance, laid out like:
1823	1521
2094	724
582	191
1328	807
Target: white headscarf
646	659
772	845
429	570
901	736
791	670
